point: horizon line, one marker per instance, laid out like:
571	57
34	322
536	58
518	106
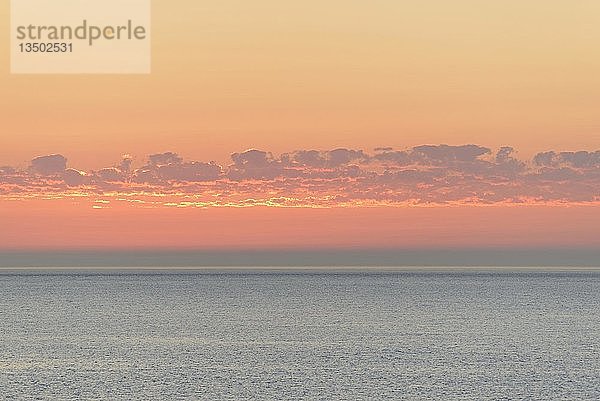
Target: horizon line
505	257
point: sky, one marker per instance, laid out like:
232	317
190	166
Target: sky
338	99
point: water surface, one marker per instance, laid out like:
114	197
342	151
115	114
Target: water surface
350	335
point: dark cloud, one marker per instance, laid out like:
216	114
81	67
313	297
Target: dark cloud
505	155
446	153
436	155
581	159
254	164
169	167
146	174
7	170
388	155
125	165
305	158
163	159
437	174
74	178
112	174
252	158
191	172
49	165
324	159
339	157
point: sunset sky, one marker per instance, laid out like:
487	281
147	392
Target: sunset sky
338	97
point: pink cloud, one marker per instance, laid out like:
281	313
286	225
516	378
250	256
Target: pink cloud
427	174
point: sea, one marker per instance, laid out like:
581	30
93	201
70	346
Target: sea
301	334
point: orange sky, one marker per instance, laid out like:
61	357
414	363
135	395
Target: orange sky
75	224
231	75
282	76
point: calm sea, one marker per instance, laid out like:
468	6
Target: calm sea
253	335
